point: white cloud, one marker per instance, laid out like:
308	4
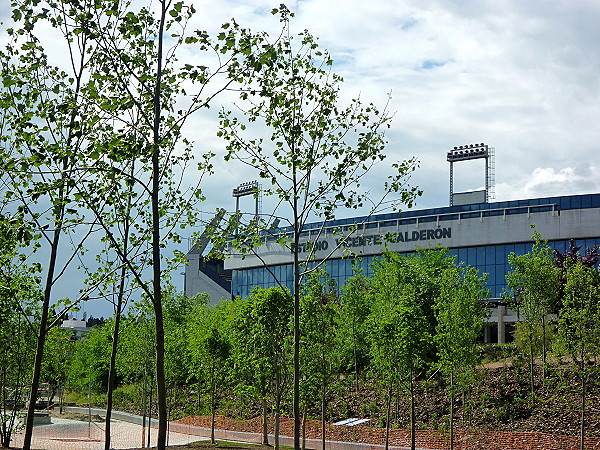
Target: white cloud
550	182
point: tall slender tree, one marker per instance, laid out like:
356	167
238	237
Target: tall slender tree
356	307
45	123
579	326
460	313
534	282
211	351
314	161
19	296
319	320
264	348
145	97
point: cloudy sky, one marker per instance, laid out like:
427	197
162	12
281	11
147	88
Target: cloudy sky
521	76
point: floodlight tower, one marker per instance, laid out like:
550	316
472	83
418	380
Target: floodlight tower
248	188
466	153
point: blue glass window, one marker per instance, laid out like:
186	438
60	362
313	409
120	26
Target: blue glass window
407	221
501	255
500	273
471	256
490	254
586	201
462	255
448	217
480	256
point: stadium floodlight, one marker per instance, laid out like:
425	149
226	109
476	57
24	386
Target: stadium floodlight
244	189
469	152
466	152
247	188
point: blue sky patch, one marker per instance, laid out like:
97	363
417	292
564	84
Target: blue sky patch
408	24
429	64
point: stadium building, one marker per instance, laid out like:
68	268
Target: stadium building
480	234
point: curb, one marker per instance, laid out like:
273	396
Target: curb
228	435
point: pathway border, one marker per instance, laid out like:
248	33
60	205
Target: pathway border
229	435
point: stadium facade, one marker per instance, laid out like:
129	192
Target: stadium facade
478	232
481	235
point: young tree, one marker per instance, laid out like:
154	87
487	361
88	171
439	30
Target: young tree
356	307
579	325
91	360
263	348
19	295
45	124
55	365
534	281
573	255
398	336
136	357
210	349
460	314
315	159
125	101
17	344
405	289
319	320
113	278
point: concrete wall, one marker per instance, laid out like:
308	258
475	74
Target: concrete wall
464	232
197	282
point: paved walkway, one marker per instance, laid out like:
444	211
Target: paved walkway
65	434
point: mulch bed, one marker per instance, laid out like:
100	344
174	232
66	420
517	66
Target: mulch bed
434	439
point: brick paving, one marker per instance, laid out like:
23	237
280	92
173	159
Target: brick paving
65	434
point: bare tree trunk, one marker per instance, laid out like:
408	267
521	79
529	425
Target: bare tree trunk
41	339
388	415
413	434
277	420
323	411
296	267
116	328
111	379
212	407
355	359
583	393
544	348
531	363
149	413
161	388
304	429
113	358
452	410
144	409
265	424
